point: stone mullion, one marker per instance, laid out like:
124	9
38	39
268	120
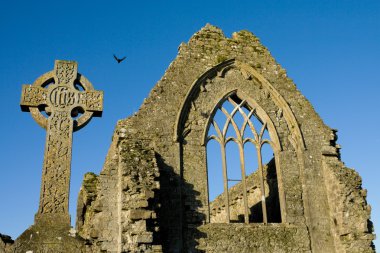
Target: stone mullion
242	167
261	173
242	157
262	187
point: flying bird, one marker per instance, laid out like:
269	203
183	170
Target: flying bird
119	60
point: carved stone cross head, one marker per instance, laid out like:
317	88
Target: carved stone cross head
61	101
62	89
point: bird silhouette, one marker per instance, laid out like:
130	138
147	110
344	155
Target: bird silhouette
119	60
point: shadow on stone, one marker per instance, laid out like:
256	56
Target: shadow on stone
272	200
178	222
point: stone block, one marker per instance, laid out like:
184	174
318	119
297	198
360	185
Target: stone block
144	238
138	226
137	214
94	233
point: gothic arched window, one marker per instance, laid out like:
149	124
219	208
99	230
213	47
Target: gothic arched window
241	164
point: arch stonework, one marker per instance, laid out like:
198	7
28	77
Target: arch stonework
162	147
223	69
249	73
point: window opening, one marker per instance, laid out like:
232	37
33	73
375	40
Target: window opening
242	178
214	172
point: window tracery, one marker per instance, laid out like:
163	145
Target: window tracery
237	121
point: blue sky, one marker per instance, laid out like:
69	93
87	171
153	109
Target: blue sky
331	49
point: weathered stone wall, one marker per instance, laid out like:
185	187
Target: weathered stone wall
173	120
117	210
234	77
140	203
159	116
253	238
352	230
85	210
98	221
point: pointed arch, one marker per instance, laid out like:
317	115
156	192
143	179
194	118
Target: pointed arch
249	73
258	111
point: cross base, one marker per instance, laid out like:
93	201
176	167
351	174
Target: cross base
56	220
40	239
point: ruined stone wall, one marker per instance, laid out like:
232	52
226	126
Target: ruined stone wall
117	210
159	116
172	122
139	172
352	230
225	79
98	216
252	238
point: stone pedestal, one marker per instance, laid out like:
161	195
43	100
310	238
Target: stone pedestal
45	237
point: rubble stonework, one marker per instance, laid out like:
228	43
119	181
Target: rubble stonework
152	194
133	227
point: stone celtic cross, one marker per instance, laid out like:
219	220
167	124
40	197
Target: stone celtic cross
61	101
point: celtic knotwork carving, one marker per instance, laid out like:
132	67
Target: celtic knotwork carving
92	100
57	164
33	95
65	72
60	124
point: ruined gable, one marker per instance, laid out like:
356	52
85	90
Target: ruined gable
152	194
